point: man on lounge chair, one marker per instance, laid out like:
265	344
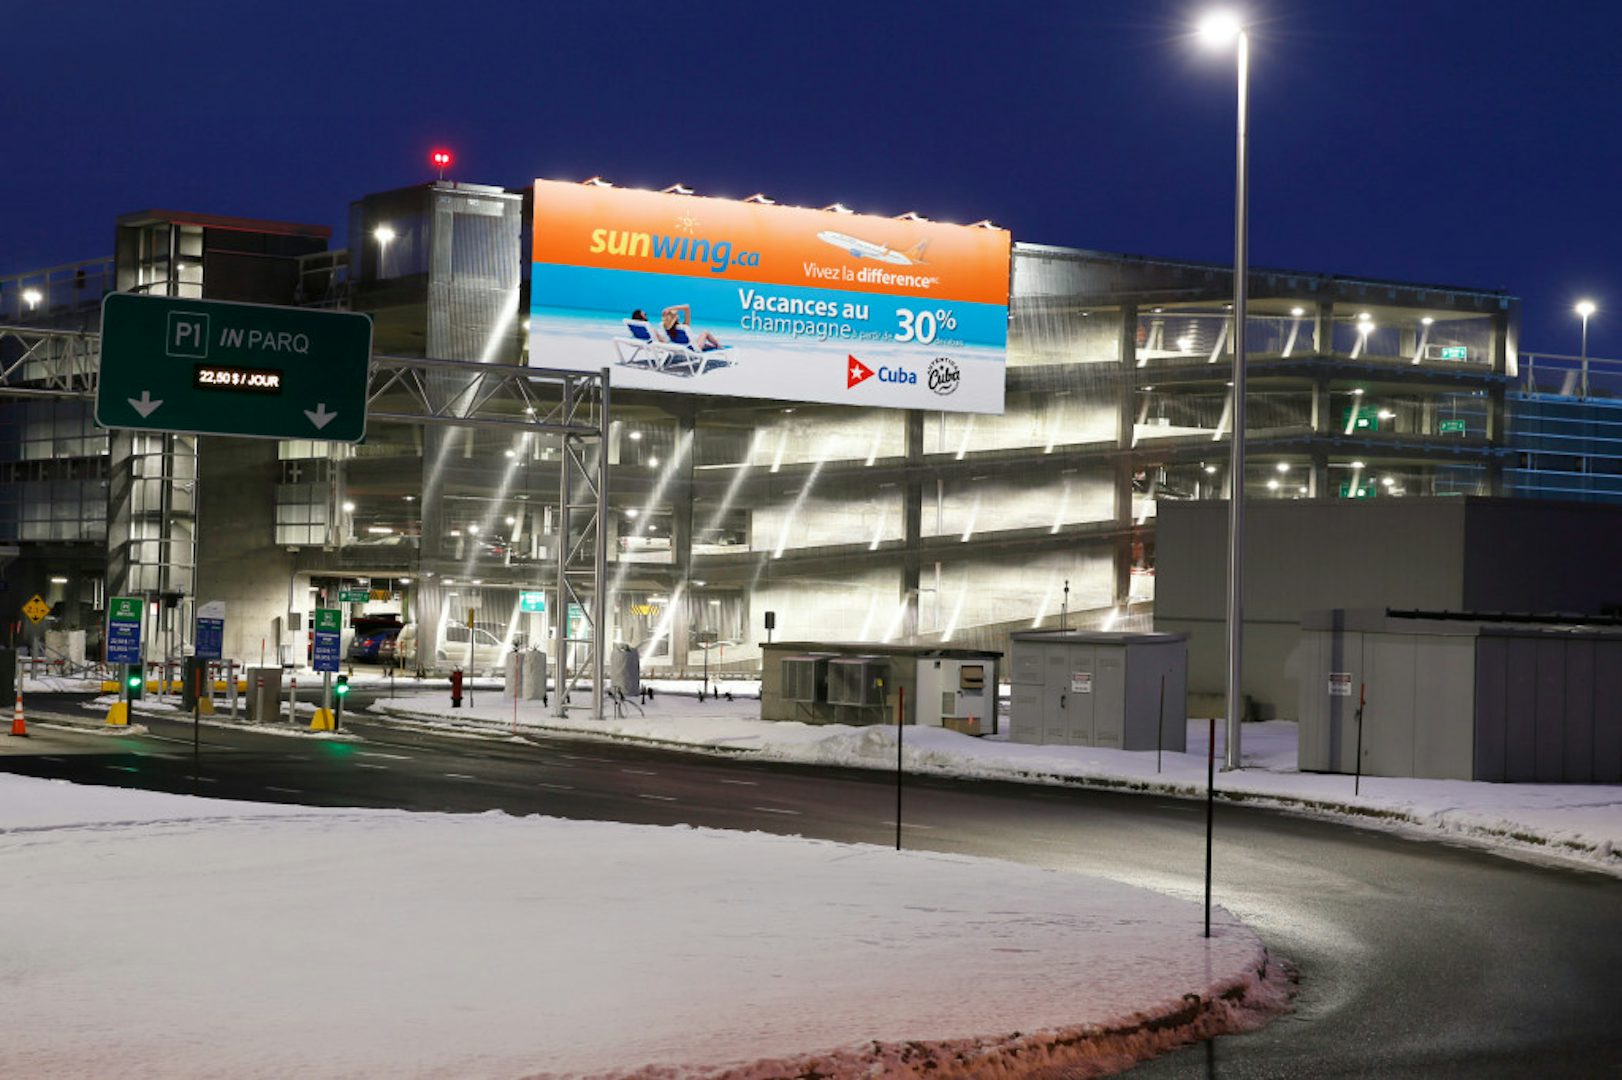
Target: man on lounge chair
682	315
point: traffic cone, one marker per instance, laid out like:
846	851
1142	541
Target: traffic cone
18	727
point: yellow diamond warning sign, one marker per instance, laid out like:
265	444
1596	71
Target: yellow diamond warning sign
36	609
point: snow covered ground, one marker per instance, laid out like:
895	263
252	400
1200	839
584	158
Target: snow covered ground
153	935
1569	822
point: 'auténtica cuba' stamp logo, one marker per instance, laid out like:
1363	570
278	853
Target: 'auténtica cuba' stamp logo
944	375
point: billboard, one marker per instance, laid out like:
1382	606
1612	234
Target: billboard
686	294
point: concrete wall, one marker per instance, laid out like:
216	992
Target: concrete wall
237	558
1434	554
1300	555
1524	555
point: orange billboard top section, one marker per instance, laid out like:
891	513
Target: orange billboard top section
655	232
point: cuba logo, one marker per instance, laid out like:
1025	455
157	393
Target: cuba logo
944	375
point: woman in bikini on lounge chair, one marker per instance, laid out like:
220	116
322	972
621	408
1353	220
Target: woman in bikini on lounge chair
682	315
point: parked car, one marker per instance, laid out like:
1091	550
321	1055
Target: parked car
452	651
377	646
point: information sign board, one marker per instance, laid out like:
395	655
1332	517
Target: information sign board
531	601
329	626
220	368
124	630
209	640
1452	427
355	596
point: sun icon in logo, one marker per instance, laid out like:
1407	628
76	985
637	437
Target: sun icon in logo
687	223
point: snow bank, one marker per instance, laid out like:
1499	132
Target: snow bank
153	935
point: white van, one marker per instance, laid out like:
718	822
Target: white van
452	652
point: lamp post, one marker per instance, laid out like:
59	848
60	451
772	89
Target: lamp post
1584	309
1219	29
383	234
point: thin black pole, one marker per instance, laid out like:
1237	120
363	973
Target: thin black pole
900	723
1160	724
196	710
1210	807
1357	780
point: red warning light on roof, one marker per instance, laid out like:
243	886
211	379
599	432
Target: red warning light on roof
441	159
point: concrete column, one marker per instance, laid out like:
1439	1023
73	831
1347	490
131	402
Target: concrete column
1126	461
1323	328
1318	481
912	522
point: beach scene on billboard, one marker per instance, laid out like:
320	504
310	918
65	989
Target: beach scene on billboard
687	294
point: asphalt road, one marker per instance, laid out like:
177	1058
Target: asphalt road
1417	959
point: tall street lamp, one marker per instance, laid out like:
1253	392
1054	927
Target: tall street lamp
1219	29
383	235
1584	309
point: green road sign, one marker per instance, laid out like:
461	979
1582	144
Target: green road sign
329	621
219	368
354	596
1455	352
124	609
1452	427
531	601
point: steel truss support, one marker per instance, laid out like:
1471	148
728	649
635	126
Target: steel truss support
574	406
48	363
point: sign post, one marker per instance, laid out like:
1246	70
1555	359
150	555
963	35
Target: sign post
124	647
218	368
329	628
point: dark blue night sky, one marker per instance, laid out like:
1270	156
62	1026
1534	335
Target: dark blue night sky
1473	144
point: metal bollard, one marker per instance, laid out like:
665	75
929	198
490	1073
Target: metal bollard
292	695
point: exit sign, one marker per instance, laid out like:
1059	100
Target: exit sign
210	367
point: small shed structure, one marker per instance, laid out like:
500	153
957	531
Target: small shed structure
1126	691
821	682
1461	696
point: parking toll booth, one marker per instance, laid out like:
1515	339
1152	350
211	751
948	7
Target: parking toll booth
1125	691
264	694
861	683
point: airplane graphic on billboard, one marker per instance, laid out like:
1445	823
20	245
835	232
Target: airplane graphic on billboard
866	249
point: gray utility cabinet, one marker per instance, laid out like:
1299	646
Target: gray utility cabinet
1087	688
1460	698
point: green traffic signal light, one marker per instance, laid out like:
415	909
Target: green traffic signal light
134	680
343	686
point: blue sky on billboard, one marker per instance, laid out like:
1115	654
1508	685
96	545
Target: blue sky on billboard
1422	140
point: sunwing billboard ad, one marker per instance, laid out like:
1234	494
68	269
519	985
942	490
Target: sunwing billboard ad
687	294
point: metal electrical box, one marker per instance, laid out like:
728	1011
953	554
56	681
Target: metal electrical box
1123	691
957	694
264	694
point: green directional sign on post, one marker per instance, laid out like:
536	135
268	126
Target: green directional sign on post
219	368
329	620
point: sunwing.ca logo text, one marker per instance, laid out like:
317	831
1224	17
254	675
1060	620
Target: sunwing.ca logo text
717	253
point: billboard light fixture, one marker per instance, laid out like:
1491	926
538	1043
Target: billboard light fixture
678	188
